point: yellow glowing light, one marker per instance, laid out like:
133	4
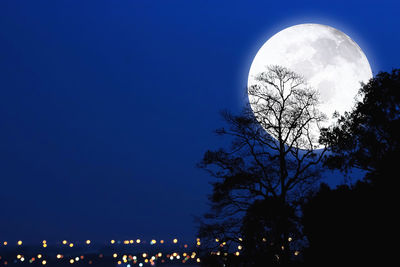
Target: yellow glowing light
39	256
44	262
290	239
71	245
19	256
153	242
5	243
131	241
112	241
59	256
138	241
198	259
174	254
119	262
296	253
19	243
216	240
264	239
88	242
64	242
144	255
159	254
146	260
44	241
198	243
71	261
175	241
237	253
115	255
45	245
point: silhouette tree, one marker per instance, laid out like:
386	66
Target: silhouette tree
269	166
368	137
356	223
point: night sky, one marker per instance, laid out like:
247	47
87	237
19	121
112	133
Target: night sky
106	107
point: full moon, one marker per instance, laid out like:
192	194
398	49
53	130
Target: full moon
329	61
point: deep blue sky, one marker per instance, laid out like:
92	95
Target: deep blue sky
107	106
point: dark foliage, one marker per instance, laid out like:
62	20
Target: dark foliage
358	224
368	137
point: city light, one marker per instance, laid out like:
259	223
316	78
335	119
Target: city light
145	258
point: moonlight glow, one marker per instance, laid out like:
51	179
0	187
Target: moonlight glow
329	60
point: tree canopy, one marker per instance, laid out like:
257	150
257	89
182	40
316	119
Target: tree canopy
269	166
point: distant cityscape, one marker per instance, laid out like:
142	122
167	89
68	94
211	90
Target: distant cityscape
127	253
